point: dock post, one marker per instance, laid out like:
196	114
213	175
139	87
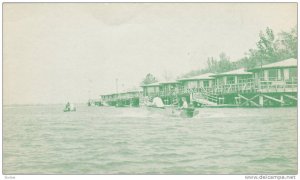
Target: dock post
237	100
261	100
281	99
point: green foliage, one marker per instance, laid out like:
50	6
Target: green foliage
149	79
268	49
221	65
287	43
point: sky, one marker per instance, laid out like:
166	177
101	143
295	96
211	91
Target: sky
59	52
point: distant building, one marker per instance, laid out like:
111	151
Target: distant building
168	87
232	77
270	85
196	82
151	89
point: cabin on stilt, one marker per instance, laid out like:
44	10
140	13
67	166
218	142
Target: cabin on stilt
109	99
227	84
197	83
197	89
168	91
129	98
151	90
269	85
126	98
233	81
275	84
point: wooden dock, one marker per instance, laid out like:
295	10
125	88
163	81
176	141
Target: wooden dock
271	85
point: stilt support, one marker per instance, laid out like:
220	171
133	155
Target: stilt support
274	99
291	97
249	100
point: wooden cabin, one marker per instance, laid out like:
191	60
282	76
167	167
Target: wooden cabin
168	87
274	85
125	98
233	81
132	93
129	98
196	83
196	87
168	91
109	99
278	76
151	89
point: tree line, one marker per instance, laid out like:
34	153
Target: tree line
269	49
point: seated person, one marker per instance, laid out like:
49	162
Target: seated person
157	102
184	103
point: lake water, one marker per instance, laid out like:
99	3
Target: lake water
109	140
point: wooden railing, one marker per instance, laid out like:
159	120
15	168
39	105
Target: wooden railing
210	93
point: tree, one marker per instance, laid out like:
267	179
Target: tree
149	79
224	63
271	49
287	43
267	51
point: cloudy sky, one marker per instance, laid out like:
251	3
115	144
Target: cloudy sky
55	53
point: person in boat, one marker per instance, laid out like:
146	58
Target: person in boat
147	101
72	107
68	106
184	103
157	102
186	110
175	102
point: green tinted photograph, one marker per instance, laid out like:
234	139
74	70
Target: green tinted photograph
150	89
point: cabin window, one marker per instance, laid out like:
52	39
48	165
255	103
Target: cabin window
152	89
220	81
279	74
273	74
173	87
293	73
206	83
192	84
230	80
259	75
160	88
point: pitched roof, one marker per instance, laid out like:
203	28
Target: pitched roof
281	64
241	71
200	77
133	89
168	82
152	84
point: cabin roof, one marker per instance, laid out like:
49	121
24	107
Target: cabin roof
112	94
135	89
199	77
292	62
168	82
132	90
152	84
241	71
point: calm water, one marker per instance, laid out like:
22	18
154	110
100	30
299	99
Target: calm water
108	140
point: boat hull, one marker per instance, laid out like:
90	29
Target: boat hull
174	111
69	110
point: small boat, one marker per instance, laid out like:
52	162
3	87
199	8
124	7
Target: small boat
189	112
170	110
174	111
69	108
